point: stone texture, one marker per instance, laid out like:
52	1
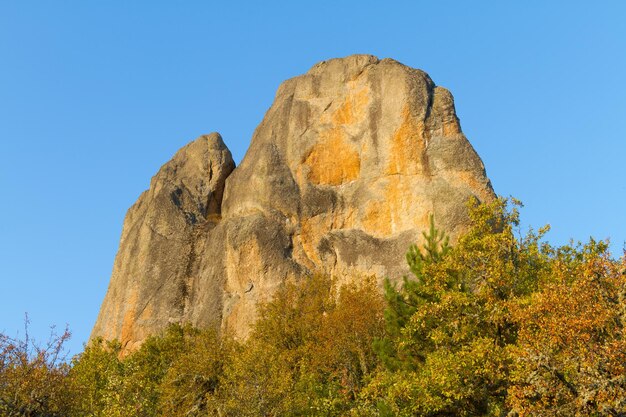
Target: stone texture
340	178
149	286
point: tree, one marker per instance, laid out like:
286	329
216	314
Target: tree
501	324
310	352
106	384
190	385
95	378
450	327
403	303
570	358
33	376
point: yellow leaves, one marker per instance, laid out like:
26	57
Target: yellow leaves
569	314
193	378
33	377
310	350
510	323
570	350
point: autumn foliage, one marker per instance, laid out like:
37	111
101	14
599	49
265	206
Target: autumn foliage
499	324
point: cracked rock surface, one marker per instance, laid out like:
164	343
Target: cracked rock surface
340	178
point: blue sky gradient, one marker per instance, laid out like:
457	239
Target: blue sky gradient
96	96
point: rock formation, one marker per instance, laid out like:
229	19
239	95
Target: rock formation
340	178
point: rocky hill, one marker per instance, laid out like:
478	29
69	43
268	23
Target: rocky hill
340	178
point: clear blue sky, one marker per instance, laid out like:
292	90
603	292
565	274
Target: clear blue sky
95	96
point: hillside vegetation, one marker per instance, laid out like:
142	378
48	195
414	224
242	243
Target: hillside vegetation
500	324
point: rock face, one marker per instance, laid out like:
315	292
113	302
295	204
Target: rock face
150	282
340	178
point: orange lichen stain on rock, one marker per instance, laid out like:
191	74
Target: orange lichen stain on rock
333	160
128	322
352	110
377	219
407	146
388	216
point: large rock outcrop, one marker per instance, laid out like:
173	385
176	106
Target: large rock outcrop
340	178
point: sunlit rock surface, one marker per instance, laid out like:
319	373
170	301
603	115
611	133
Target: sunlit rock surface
340	178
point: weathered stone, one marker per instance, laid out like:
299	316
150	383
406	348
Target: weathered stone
340	178
149	286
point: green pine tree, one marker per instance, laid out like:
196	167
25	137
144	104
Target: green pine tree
403	302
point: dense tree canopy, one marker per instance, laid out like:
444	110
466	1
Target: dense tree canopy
500	324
